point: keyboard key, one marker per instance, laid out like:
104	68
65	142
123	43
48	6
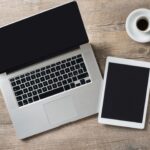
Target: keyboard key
52	75
30	89
23	80
77	66
47	77
19	98
28	78
78	84
68	64
35	87
60	78
80	71
63	66
25	90
87	81
34	93
20	103
62	72
54	85
38	70
53	65
38	75
35	98
43	73
73	62
67	70
82	81
72	85
70	74
43	68
25	102
33	77
74	57
32	82
37	80
72	68
65	76
12	80
27	74
84	75
18	93
55	79
48	71
32	72
39	91
49	87
45	83
29	94
64	82
69	59
50	81
69	80
75	73
42	79
74	78
30	100
22	86
58	68
40	85
24	96
57	73
53	69
78	56
59	84
17	78
66	87
16	88
58	63
18	82
79	60
44	89
27	84
64	61
47	67
50	93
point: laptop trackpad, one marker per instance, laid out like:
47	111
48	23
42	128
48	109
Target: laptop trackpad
60	110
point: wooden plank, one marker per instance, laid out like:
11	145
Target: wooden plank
104	21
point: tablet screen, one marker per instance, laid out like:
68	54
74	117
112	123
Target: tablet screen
125	92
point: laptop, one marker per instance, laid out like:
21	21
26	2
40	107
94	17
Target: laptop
48	72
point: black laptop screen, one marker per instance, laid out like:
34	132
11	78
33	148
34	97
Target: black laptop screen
41	36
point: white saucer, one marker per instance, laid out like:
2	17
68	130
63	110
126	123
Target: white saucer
131	28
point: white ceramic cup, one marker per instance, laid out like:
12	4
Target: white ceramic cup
143	24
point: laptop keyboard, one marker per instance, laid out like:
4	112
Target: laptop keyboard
50	80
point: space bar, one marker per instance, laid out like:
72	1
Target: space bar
50	93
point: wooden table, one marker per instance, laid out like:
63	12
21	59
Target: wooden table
104	21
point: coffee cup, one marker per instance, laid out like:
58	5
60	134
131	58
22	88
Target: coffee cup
143	24
138	25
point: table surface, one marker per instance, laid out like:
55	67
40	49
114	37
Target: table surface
104	21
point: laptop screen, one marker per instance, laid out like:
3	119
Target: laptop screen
41	36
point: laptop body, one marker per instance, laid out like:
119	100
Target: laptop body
48	72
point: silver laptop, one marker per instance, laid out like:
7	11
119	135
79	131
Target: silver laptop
48	72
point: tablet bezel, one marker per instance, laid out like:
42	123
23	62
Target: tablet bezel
101	97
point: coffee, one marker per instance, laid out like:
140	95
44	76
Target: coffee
142	24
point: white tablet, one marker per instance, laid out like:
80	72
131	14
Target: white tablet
124	98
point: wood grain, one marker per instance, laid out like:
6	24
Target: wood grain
104	21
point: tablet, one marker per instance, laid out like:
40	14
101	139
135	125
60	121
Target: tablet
124	97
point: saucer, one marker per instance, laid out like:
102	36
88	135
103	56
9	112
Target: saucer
131	28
